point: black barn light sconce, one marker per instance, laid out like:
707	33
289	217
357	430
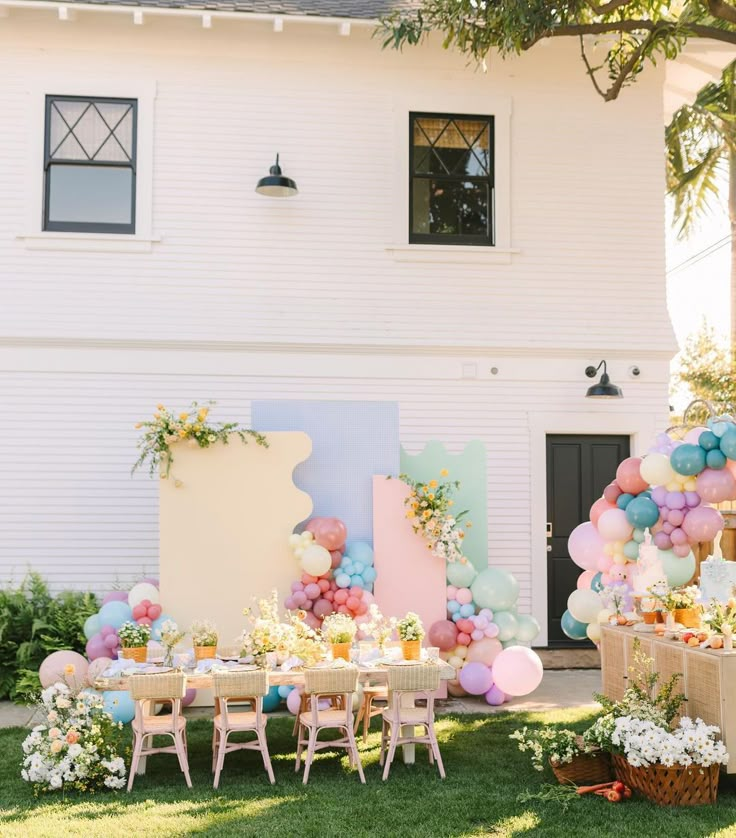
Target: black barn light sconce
605	388
275	184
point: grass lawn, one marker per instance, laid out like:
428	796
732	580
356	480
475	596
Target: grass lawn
485	774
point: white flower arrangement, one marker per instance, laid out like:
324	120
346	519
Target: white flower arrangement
339	628
171	634
134	635
80	748
410	627
549	743
204	633
691	743
378	627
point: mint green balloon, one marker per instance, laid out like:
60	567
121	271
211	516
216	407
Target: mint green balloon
507	625
460	575
495	589
527	628
678	571
631	550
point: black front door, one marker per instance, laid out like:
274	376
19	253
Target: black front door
578	469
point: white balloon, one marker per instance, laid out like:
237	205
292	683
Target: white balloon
307	537
295	540
604	616
316	560
141	591
584	605
594	632
299	552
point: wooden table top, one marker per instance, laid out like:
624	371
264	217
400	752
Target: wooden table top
659	638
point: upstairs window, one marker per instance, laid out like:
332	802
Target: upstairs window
90	165
451	179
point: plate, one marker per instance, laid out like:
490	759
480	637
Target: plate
156	670
242	667
404	663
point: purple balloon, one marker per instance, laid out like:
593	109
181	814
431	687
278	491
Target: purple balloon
667	527
659	495
289	603
662	540
105	631
664	511
96	648
476	678
692	499
115	596
189	697
299	598
296	587
312	590
678	536
495	697
676	500
111	641
676	517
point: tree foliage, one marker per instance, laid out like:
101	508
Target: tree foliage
707	369
635	32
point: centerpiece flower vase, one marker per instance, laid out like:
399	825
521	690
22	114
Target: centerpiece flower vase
139	654
341	650
411	650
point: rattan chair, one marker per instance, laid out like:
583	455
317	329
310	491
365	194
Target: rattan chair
230	686
164	688
367	709
328	683
405	684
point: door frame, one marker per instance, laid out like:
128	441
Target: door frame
640	428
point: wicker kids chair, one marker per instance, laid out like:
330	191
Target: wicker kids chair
405	683
328	683
229	686
162	688
368	709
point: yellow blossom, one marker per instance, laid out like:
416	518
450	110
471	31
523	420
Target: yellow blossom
426	514
197	427
182	433
70	669
138	425
410	514
202	415
461	534
157	415
469	524
187	426
183	415
425	488
433	484
160	407
444	472
415	505
431	497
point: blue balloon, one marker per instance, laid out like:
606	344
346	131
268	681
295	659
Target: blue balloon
596	584
728	442
715	459
92	626
642	513
346	564
157	624
623	500
285	690
360	551
631	550
342	580
119	705
358	567
456	616
271	700
115	613
369	574
467	610
453	606
708	441
688	459
573	628
356	580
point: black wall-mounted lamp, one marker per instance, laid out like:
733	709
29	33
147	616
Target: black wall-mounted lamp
604	389
275	184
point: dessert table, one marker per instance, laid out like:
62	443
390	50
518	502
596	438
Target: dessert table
367	673
708	676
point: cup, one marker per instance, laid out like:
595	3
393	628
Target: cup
433	653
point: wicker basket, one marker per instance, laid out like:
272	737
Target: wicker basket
587	769
411	650
341	650
679	786
139	654
202	653
688	617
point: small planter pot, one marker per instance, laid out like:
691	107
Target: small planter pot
202	653
139	654
341	650
411	650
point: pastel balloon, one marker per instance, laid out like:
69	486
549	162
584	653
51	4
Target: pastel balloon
495	697
91	626
728	442
189	696
460	574
141	591
677	570
597	583
491	630
360	551
715	486
115	596
594	632
624	500
708	441
688	459
495	588
54	668
612	492
702	523
662	540
293	702
613	526
329	533
631	551
583	605
628	476
115	613
455	690
96	668
598	508
507	625
517	671
642	513
119	705
655	469
316	560
585	579
604	615
585	544
475	678
464	596
694	434
527	628
715	459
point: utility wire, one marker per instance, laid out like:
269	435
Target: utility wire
700	255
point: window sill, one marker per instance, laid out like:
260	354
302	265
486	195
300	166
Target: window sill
451	253
89	242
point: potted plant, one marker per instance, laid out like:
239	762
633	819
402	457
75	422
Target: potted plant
339	630
133	640
679	602
204	639
572	760
411	632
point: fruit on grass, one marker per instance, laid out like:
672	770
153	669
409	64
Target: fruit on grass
627	792
613	796
618	786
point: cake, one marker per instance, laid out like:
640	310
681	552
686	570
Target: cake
717	576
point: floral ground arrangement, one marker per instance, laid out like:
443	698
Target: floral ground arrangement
486	775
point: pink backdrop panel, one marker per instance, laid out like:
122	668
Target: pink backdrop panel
408	577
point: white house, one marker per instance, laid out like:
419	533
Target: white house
154	272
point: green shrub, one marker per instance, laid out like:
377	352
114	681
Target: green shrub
33	624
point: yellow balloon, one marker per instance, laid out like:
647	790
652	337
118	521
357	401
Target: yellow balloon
604	616
618	546
594	632
619	558
673	486
455	662
461	652
690	485
608	548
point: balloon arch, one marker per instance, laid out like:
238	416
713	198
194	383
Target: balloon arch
668	492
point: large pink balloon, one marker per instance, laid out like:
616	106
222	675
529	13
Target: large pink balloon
484	651
443	634
189	697
115	596
586	578
585	545
293	702
629	477
517	671
53	669
716	485
475	678
702	523
599	507
329	533
96	668
613	526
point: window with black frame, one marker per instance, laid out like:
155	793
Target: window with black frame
451	179
90	164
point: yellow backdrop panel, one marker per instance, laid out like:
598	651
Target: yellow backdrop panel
224	529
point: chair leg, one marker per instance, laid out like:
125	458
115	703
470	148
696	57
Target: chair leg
220	757
183	761
383	743
137	748
302	709
395	731
359	715
214	747
299	747
367	718
434	745
310	753
355	754
263	742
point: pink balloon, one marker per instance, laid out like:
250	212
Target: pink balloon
475	678
613	526
352	603
115	596
105	630
599	507
329	533
52	669
586	579
495	697
484	651
139	611
145	621
517	671
451	592
443	634
189	697
586	544
341	596
477	634
612	492
307	579
604	563
678	536
465	624
299	598
324	585
676	517
702	523
289	603
146	603
155	611
629	477
111	641
716	485
330	596
681	550
336	557
356	592
312	590
491	630
463	639
311	620
293	702
362	608
662	540
96	648
692	437
464	596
